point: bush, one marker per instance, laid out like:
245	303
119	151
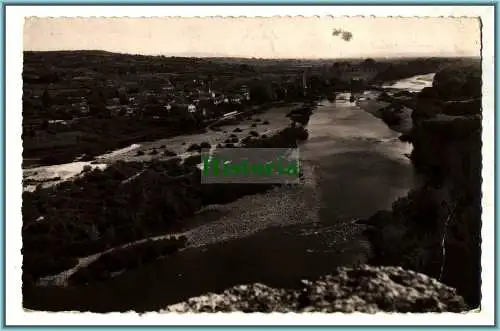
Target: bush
237	130
193	148
192	160
51	160
87	157
254	133
169	153
205	145
406	137
126	258
458	81
87	169
253	125
265	122
139	153
302	135
153	152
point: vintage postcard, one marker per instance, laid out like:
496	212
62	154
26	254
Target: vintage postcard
331	162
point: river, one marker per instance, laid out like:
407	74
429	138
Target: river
354	166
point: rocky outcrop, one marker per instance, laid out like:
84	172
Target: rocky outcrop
436	228
360	289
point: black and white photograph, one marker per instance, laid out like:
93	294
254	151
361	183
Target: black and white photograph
381	209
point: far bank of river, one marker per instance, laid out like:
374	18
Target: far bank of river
354	166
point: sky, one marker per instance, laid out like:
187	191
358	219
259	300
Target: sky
285	37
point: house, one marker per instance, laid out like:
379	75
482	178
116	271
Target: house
245	92
82	78
169	87
115	109
236	99
219	99
84	107
187	107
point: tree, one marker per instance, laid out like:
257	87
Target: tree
97	102
46	99
369	62
262	91
122	95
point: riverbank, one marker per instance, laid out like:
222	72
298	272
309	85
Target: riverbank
76	219
262	123
397	118
93	138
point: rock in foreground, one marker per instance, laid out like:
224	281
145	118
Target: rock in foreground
360	289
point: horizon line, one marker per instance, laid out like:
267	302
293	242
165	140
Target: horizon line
222	56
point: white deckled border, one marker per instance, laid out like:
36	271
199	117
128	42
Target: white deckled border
15	315
251	11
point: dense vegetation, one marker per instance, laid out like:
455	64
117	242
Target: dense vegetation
126	202
436	229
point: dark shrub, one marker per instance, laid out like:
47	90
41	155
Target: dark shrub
246	140
205	145
87	169
139	153
169	153
302	135
193	147
406	137
254	133
51	160
253	125
87	157
192	160
237	130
